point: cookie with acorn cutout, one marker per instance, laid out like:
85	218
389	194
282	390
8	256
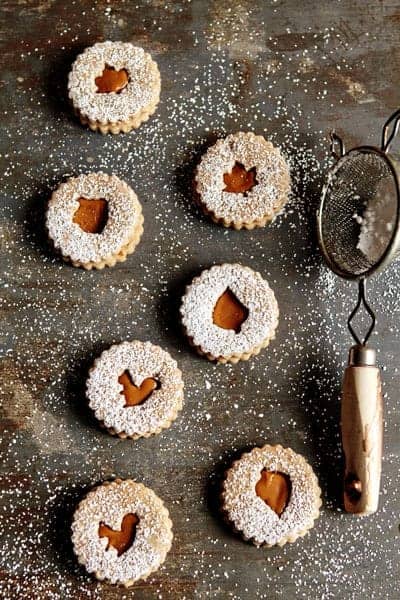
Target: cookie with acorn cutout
94	220
270	496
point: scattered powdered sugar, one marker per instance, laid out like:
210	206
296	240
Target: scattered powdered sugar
272	176
251	516
378	220
109	504
259	67
142	90
124	217
252	291
142	360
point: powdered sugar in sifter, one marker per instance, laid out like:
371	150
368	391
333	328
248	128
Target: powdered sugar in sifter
359	234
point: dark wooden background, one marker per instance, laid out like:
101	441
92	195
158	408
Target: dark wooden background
289	70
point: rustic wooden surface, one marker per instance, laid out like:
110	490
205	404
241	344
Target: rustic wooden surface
290	70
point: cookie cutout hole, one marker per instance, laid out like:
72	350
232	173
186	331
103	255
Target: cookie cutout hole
135	395
229	312
275	489
92	215
120	540
239	180
111	80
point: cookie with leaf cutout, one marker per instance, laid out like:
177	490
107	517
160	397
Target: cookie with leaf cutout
271	496
242	181
94	220
121	532
229	313
135	389
114	87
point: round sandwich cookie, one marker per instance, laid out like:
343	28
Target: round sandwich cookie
121	532
229	313
114	87
242	181
135	389
94	220
271	496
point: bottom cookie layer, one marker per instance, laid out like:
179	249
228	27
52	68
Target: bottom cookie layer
233	358
165	425
289	539
119	126
256	223
121	256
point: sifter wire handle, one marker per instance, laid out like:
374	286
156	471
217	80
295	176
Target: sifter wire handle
393	122
337	145
361	302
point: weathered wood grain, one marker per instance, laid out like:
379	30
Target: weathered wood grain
290	70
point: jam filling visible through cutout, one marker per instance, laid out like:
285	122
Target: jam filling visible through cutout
92	215
111	80
135	395
239	180
229	312
120	540
275	489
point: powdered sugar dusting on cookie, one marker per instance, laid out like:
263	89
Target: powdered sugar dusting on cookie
124	217
252	291
108	504
56	319
251	516
141	360
142	90
253	151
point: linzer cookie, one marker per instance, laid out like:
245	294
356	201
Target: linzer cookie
121	532
114	87
242	181
94	220
135	389
271	496
229	313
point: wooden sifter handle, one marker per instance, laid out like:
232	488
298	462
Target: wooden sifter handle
362	436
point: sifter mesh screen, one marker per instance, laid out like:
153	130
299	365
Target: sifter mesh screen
359	211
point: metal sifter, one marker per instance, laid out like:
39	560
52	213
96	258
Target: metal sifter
359	234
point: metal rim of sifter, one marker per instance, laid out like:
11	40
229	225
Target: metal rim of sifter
393	165
389	164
